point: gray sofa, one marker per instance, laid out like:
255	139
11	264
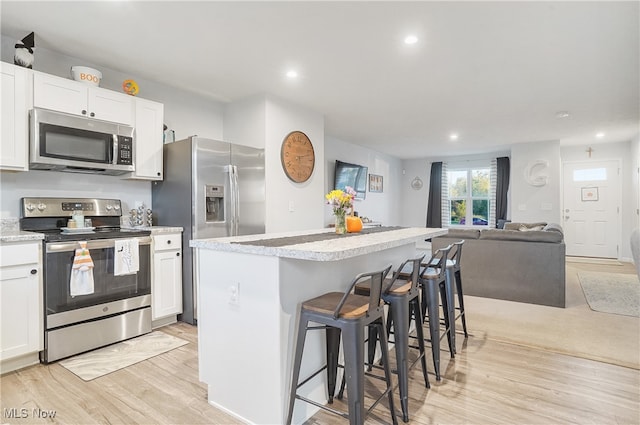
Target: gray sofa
518	263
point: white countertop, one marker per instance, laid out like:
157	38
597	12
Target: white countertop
159	229
20	236
326	250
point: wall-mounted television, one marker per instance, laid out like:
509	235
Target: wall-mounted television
351	175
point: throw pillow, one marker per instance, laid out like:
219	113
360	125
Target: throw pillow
524	228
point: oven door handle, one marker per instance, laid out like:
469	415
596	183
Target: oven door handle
91	244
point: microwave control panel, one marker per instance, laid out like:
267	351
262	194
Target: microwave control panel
125	150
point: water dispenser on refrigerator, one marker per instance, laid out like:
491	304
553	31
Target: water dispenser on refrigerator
214	201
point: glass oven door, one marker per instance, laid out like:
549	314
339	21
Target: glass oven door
108	288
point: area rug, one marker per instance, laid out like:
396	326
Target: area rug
100	362
617	293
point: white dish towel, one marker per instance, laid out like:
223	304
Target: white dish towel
81	280
126	260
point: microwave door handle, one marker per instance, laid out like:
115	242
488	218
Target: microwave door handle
114	152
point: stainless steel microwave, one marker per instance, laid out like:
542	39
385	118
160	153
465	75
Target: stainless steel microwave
64	142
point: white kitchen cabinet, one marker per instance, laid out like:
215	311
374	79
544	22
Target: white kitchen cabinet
21	324
73	97
16	102
166	286
149	119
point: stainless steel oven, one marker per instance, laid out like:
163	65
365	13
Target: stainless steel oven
118	306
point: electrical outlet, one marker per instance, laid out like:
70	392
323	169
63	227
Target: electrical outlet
234	294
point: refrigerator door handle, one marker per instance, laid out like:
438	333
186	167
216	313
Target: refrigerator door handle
236	199
230	213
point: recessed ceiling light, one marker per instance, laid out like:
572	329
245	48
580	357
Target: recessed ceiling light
562	114
411	39
600	135
292	74
453	136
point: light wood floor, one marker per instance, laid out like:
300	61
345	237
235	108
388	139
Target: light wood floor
487	383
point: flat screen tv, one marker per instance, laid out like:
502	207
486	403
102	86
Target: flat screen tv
351	175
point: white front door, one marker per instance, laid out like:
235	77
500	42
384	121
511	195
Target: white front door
591	208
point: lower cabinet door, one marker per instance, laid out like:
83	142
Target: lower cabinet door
20	329
166	292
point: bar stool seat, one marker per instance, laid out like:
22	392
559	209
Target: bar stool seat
344	313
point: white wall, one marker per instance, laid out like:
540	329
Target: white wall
264	121
290	205
414	202
623	153
536	203
245	122
635	184
384	207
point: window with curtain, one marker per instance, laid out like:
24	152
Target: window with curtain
469	195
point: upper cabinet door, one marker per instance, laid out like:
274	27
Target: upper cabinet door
108	105
59	94
73	97
148	142
14	130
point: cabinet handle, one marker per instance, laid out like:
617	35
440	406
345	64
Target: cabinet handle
34	271
169	242
84	112
159	174
92	114
177	254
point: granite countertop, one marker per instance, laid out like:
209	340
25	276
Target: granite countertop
323	250
160	229
19	236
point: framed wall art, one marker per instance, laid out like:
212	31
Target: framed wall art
375	183
589	194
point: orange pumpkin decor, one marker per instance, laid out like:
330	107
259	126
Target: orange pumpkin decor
354	224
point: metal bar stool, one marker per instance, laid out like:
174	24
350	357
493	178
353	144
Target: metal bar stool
402	294
349	314
455	261
432	280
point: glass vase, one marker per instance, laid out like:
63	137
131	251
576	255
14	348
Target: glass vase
341	225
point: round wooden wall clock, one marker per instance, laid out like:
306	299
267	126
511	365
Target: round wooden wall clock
297	156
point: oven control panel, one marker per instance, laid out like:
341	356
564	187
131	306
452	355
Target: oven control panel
62	207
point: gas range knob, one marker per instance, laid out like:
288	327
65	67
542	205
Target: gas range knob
109	207
30	207
116	207
41	207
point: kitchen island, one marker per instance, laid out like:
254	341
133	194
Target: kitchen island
249	294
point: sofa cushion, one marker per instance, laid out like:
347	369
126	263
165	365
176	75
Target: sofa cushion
524	226
516	235
463	233
553	227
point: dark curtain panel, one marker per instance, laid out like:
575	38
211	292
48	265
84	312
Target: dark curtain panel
502	186
434	207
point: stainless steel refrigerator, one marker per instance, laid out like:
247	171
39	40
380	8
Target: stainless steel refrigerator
212	189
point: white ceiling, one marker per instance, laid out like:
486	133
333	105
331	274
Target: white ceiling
494	72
